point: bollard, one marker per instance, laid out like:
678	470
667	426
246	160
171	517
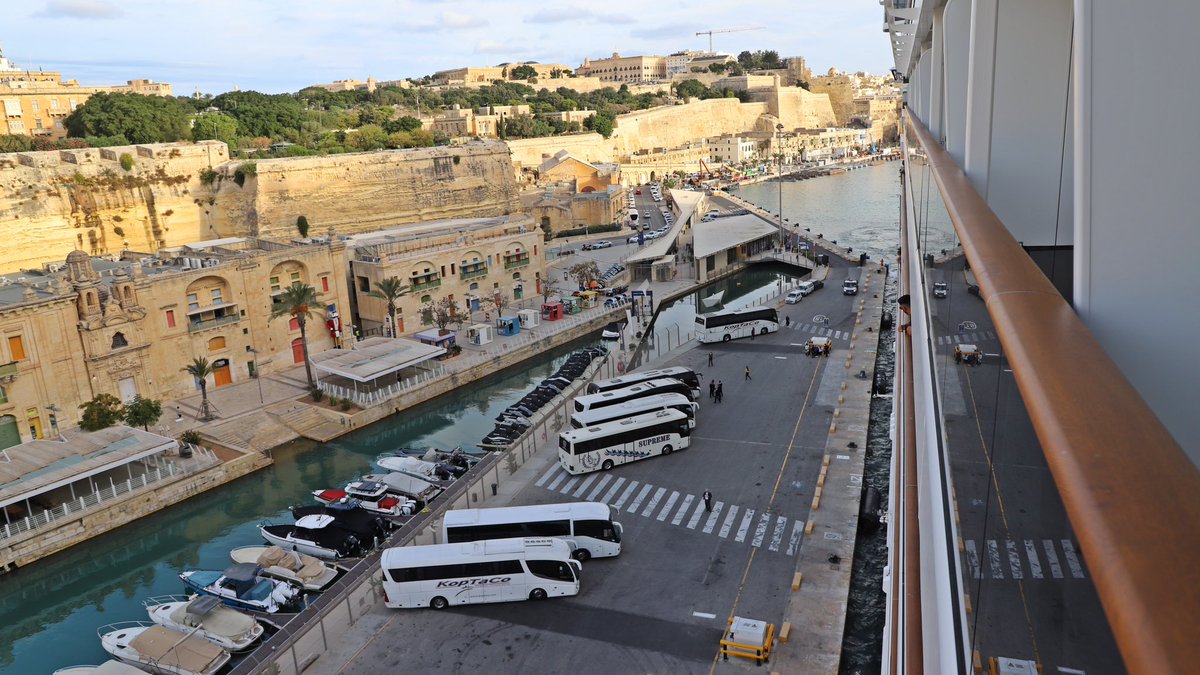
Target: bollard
808	529
841	398
833	428
843	386
825	462
837	412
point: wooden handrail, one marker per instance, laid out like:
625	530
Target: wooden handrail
1131	493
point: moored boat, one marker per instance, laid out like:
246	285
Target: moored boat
410	486
370	496
292	566
223	626
160	650
243	586
427	471
106	668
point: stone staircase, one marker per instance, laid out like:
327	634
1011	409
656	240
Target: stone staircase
256	431
304	420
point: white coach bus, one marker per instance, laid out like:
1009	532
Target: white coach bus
685	375
736	323
588	526
637	406
605	445
500	570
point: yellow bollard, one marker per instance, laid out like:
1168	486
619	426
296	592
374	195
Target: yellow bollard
843	386
841	398
833	428
837	412
808	528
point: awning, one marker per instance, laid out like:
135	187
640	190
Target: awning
723	234
375	357
209	308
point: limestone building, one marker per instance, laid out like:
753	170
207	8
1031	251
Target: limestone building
128	325
483	122
467	260
482	76
626	69
733	149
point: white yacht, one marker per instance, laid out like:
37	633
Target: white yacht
160	650
292	566
223	626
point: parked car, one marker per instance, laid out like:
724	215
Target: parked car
940	289
794	296
850	287
601	244
616	290
633	239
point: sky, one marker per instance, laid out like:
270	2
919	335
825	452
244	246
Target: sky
275	46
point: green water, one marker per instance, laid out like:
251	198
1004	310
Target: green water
50	610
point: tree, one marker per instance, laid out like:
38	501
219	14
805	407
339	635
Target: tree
302	226
390	290
369	137
103	411
373	114
691	89
141	119
142	412
442	312
261	114
216	126
523	72
200	369
403	123
746	59
14	143
297	302
585	272
602	123
497	302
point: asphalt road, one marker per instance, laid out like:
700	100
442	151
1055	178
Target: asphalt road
661	606
1031	590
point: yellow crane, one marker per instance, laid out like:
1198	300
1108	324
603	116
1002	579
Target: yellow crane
709	33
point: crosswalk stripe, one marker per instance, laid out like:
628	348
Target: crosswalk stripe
546	476
994	559
744	527
599	486
662	515
570	485
1052	558
653	504
941	340
584	486
641	497
554	483
607	498
1014	559
687	502
1072	559
760	530
1035	565
695	519
625	495
712	517
794	541
728	524
973	558
777	535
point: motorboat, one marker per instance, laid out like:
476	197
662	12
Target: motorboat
458	461
714	299
403	484
244	586
329	532
206	616
370	496
428	471
157	649
107	668
293	567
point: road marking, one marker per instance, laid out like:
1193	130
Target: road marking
625	495
553	484
570	485
1014	559
546	476
973	558
1035	565
653	503
662	515
695	520
725	526
607	498
994	559
585	484
781	358
599	486
777	535
712	517
744	527
796	344
1070	671
1052	559
760	532
1072	559
794	541
641	497
687	502
704	615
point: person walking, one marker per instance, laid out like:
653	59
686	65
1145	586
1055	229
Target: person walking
787	321
720	391
710	359
712	389
747	372
707	501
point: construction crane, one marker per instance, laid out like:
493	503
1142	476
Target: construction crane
709	33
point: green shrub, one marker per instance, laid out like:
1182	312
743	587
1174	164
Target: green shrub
614	227
126	161
302	226
191	437
346	404
316	394
333	401
208	175
246	169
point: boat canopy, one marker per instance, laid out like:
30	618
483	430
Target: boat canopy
315	522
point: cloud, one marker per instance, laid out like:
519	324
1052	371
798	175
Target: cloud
80	9
493	47
564	14
675	32
456	21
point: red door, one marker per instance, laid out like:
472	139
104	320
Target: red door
221	375
298	351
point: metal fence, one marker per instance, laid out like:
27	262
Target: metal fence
370	397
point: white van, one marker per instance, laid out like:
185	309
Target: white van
806	287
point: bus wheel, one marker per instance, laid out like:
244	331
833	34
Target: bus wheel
582	555
537	594
607	465
764	331
727	338
666	450
438	602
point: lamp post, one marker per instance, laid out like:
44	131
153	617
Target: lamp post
257	375
779	136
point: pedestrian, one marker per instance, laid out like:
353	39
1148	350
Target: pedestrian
710	359
720	391
712	389
787	321
903	302
747	372
707	501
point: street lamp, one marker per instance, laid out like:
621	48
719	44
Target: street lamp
779	136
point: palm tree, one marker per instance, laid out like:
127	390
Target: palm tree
200	369
390	290
298	301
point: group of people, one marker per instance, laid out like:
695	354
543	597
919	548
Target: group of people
716	390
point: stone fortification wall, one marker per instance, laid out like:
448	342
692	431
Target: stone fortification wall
54	202
362	192
529	152
671	126
797	108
